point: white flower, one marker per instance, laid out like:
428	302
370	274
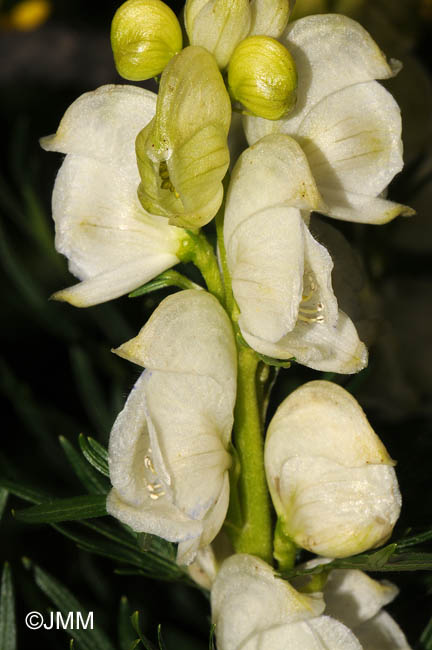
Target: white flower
281	276
254	610
112	243
168	453
357	600
348	125
331	479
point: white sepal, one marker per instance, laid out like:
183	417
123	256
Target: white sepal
111	243
255	610
168	448
348	125
331	479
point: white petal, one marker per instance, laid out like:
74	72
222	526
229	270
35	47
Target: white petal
382	633
329	348
352	140
247	598
266	261
351	206
273	172
320	633
104	123
322	419
116	281
331	52
353	597
201	340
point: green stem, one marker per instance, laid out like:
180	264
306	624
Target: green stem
255	536
229	298
197	249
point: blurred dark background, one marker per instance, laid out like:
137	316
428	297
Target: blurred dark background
58	376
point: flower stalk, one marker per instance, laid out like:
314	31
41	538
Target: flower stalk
255	535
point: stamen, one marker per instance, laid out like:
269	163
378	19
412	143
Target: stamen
166	183
148	464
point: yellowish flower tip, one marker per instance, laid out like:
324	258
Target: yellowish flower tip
145	35
29	14
262	76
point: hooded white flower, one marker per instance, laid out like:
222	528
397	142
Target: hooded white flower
168	453
281	276
254	610
348	125
113	245
356	600
331	479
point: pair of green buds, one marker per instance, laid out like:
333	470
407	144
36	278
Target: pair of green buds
241	35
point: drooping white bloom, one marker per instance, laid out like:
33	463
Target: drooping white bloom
281	276
331	479
113	245
348	125
356	600
168	447
254	610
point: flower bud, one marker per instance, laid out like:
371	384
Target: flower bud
183	152
330	477
217	25
145	35
262	76
269	17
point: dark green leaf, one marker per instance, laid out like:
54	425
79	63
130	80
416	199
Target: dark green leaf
212	637
75	508
7	612
169	278
26	492
65	601
162	645
137	627
157	545
125	630
386	559
426	637
88	477
94	453
413	540
3	500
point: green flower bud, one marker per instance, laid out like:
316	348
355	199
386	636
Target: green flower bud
182	153
262	76
217	25
145	35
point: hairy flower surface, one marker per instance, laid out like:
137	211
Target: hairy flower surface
281	276
357	600
183	153
113	245
254	610
348	125
330	477
168	453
